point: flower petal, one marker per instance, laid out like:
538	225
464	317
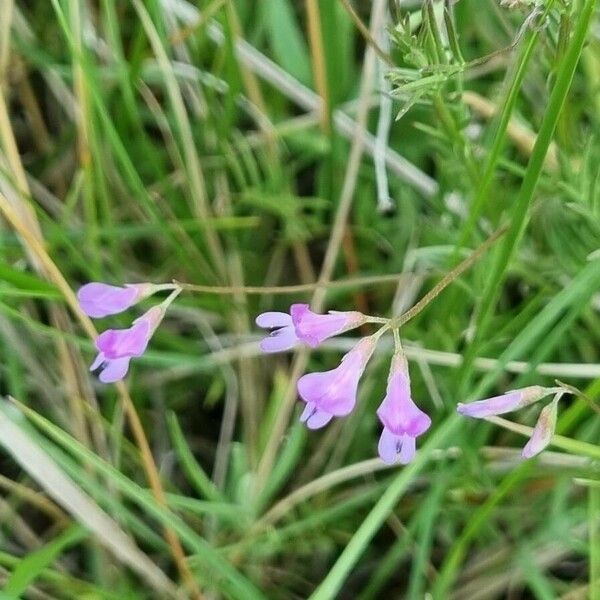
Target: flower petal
279	340
543	431
118	343
497	405
100	299
408	449
388	446
398	412
269	320
313	328
114	370
100	358
318	419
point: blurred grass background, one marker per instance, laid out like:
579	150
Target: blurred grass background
234	143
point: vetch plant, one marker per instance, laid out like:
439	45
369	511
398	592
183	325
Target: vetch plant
515	400
116	347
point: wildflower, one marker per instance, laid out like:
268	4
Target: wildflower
508	402
313	329
304	325
333	393
403	421
543	430
100	299
116	347
283	337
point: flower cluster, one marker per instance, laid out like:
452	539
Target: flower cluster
326	394
116	347
333	393
515	400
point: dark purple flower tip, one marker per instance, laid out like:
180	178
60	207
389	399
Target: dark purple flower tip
283	337
508	402
396	448
111	370
333	393
313	328
100	299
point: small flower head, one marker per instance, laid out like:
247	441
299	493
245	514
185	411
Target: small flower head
100	299
313	329
403	421
508	402
117	346
543	430
282	337
333	393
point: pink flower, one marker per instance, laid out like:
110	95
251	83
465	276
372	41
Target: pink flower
403	421
543	430
100	299
302	324
508	402
333	393
313	329
283	337
116	347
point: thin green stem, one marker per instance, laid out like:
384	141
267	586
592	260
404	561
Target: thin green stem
594	537
448	279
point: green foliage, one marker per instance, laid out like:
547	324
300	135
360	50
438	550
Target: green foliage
175	140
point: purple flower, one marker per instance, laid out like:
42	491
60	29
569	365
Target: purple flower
283	336
543	430
333	393
302	324
498	405
100	299
403	421
312	328
116	347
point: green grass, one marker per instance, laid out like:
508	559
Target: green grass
169	140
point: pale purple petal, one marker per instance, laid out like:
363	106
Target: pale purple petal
118	343
318	419
279	340
114	370
508	402
313	328
398	412
309	409
543	431
100	299
388	446
408	449
333	391
100	358
497	405
270	320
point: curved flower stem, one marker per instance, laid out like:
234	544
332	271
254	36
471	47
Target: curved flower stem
448	279
291	289
397	342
